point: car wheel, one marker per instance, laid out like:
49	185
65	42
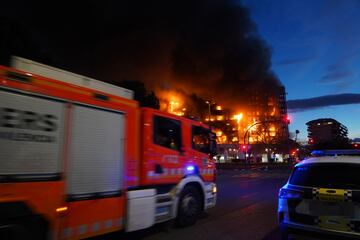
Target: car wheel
284	233
189	207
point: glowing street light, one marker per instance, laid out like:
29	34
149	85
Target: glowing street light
238	117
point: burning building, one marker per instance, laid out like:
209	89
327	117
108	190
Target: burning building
183	50
268	108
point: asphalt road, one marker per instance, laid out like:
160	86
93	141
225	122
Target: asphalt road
246	209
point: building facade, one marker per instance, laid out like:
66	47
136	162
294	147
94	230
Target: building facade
326	130
268	107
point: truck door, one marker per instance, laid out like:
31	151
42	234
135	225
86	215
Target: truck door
200	151
164	151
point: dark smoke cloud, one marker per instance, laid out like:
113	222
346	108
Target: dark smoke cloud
210	47
323	101
336	75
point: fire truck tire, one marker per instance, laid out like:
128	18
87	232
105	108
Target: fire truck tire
30	228
189	207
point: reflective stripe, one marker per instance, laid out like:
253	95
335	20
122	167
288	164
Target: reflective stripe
82	229
108	223
96	227
118	222
151	174
67	232
177	172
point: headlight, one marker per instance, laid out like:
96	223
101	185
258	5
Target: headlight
214	189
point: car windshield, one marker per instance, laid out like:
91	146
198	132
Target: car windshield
337	175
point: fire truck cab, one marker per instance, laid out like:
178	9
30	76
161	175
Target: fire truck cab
80	158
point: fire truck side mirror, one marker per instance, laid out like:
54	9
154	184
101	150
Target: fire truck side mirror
159	169
212	144
182	150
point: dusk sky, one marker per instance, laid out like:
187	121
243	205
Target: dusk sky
315	52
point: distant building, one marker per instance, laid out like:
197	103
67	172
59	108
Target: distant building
326	130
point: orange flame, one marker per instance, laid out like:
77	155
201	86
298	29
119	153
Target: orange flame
172	102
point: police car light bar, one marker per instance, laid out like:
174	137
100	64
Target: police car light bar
319	153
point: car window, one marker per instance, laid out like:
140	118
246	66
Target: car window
200	139
341	175
167	132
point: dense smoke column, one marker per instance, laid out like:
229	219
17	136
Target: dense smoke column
207	47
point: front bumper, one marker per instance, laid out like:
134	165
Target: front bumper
210	195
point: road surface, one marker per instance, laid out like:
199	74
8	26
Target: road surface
246	209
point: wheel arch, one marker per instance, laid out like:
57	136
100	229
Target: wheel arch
192	180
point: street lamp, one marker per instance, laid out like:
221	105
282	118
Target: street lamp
287	121
248	129
296	134
238	118
209	104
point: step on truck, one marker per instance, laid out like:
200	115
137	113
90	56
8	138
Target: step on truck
79	158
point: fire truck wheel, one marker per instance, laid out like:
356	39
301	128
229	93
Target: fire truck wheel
30	228
189	207
13	232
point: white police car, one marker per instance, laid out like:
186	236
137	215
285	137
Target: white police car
323	195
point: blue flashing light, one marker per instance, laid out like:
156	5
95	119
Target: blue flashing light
320	153
190	169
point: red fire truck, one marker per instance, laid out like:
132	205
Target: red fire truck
80	158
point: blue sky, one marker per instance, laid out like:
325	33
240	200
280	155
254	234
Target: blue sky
316	52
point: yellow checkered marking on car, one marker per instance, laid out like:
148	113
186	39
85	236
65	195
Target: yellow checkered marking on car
334	223
329	194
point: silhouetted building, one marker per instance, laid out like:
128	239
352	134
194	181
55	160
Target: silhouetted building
326	130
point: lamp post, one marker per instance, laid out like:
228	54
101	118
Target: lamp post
246	133
248	129
254	124
296	135
238	118
209	104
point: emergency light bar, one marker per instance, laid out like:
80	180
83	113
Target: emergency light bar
319	153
